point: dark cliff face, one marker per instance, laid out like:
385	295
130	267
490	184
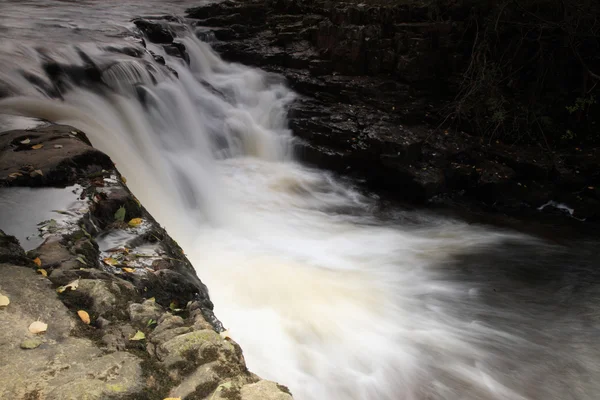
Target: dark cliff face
379	83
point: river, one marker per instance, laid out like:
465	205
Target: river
327	290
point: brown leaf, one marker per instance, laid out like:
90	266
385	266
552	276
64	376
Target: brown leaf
37	146
37	262
84	316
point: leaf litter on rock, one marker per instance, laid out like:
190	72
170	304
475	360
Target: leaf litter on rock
139	335
135	222
37	146
84	316
72	285
120	214
38	327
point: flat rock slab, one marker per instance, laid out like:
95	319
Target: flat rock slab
55	364
49	156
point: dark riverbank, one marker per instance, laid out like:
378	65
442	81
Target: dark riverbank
374	80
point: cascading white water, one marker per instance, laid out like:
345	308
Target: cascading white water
322	295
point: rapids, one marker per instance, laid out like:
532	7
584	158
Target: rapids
326	290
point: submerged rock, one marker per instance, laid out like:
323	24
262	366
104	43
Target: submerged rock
154	31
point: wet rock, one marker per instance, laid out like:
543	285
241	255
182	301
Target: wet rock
73	159
264	390
141	314
104	298
154	31
54	369
182	354
11	251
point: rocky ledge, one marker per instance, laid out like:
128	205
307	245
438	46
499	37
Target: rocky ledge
373	78
108	306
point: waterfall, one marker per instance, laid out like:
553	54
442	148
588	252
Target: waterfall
323	295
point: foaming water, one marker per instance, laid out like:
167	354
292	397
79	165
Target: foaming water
322	294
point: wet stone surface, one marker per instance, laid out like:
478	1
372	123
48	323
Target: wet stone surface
126	315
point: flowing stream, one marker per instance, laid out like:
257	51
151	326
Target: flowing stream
326	290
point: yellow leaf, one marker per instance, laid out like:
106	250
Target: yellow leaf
37	146
123	179
4	300
139	335
130	270
85	317
135	222
43	272
37	262
38	327
110	261
152	299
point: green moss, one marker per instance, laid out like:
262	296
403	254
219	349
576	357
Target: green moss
116	388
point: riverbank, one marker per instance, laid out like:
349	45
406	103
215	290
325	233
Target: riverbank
124	314
374	81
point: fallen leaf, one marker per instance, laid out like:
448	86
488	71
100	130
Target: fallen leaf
36	172
38	327
151	322
74	132
58	146
4	300
15	175
37	146
135	222
130	270
225	334
139	335
37	262
152	299
29	344
123	179
26	141
85	317
43	272
72	285
110	261
120	214
591	187
81	260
